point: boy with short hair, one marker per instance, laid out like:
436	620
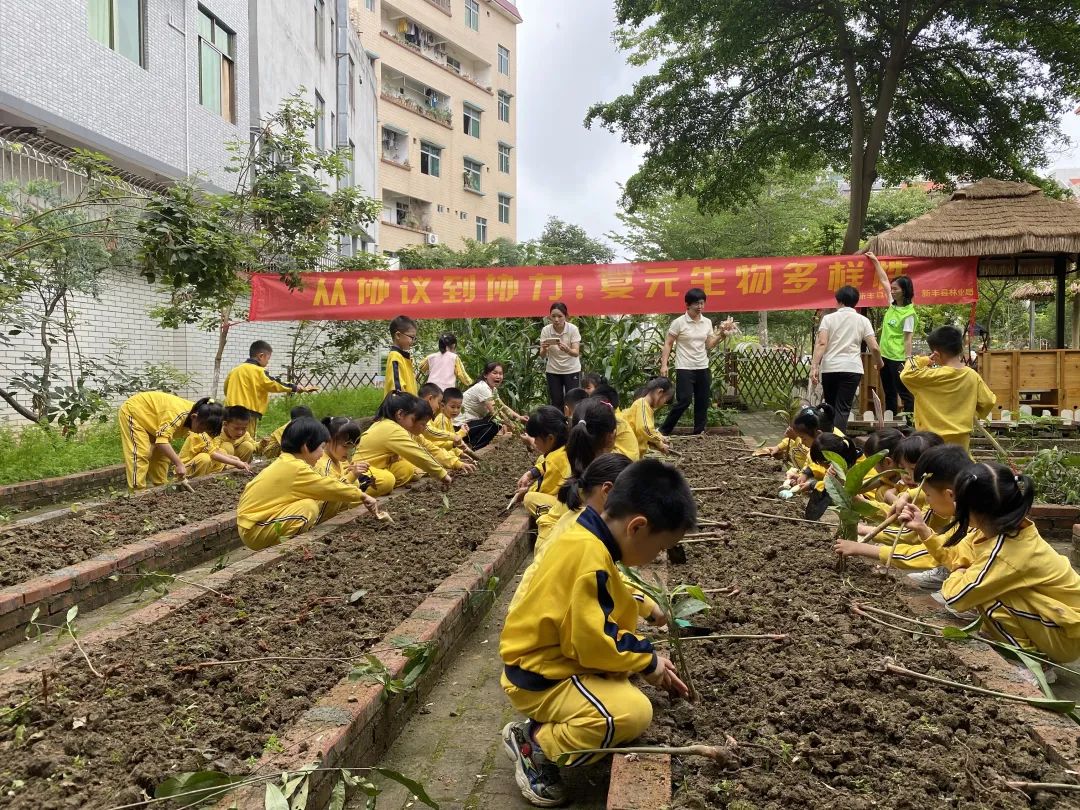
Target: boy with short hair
949	396
436	441
250	385
400	371
591	381
569	646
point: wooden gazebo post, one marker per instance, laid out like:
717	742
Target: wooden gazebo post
1061	267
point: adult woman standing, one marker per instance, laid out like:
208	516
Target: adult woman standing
480	406
560	344
897	331
837	359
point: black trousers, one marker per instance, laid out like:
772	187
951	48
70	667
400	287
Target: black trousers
839	388
694	385
895	391
559	384
481	432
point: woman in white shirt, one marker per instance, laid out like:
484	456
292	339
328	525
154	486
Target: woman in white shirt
837	359
480	405
560	345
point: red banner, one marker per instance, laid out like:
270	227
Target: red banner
732	285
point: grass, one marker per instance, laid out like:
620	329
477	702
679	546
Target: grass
33	452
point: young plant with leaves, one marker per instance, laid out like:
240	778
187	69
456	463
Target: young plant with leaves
418	656
846	487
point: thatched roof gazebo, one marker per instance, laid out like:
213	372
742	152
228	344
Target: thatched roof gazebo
1013	227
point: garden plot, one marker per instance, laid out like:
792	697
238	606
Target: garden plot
164	706
31	549
826	726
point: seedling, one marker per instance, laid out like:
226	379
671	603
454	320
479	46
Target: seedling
845	486
418	657
677	604
34	630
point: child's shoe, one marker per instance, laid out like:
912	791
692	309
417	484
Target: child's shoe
931	580
536	775
963	615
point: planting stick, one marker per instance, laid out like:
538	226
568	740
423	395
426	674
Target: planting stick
763	498
1003	456
914	497
889	521
859	612
1059	706
708	539
707	489
738	636
1063	787
701	534
731	590
513	501
786	517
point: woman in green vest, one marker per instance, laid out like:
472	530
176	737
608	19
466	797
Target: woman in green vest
897	330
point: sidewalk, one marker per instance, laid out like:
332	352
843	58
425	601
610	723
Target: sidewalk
761	425
452	745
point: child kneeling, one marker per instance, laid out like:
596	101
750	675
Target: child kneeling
289	496
568	645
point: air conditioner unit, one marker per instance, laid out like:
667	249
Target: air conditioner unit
433	239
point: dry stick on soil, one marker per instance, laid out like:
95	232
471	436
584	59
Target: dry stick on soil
856	608
714	752
708	539
701	534
914	497
707	489
739	636
786	517
1039	703
1062	787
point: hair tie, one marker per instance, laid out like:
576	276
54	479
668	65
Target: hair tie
581	421
210	401
605	402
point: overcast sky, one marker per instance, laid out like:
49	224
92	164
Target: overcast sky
566	62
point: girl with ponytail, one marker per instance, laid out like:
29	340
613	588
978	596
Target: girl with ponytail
390	448
149	421
444	368
344	436
546	426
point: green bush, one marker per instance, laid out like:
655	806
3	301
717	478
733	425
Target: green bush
40	452
353	402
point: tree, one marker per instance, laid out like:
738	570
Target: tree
882	88
280	217
563	243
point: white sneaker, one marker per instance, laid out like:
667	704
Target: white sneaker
1027	676
931	580
963	615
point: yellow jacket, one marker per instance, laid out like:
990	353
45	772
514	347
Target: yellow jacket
798	452
642	420
272	446
446	458
287	480
159	414
554	469
1022	578
960	555
400	372
198	443
626	441
440	432
251	385
947	400
386	441
576	616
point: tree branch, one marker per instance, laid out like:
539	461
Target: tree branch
9	398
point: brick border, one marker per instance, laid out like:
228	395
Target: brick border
715	430
354	723
31	494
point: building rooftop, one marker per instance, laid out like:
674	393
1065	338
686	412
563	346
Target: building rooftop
509	8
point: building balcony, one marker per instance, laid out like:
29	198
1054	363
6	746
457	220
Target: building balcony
407	213
415	96
394	161
443	6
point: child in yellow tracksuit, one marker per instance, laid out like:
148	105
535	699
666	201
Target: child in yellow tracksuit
942	464
441	428
149	422
335	463
270	446
569	646
250	384
592	435
433	440
641	415
1028	593
540	484
626	442
389	446
288	497
400	371
204	454
949	396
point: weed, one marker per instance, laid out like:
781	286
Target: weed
273	745
34	630
418	656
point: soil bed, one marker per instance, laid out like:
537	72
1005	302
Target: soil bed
155	714
838	733
37	548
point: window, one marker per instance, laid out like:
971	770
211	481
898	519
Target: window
472	174
320	121
472	121
370	4
401	212
118	24
481	229
504	106
504	61
320	10
453	63
472	14
217	50
504	158
504	209
430	159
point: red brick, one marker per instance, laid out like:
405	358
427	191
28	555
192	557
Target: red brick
10	599
1053	510
643	783
93	570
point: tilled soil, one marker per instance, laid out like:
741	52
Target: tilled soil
155	714
836	731
38	548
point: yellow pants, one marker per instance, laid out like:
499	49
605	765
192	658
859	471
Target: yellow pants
202	464
584	711
404	472
333	509
290	520
960	439
144	467
537	503
245	447
1030	635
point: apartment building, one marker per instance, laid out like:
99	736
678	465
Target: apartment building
447	118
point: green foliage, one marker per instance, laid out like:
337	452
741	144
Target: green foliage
1056	474
418	657
874	89
356	403
844	486
39	452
